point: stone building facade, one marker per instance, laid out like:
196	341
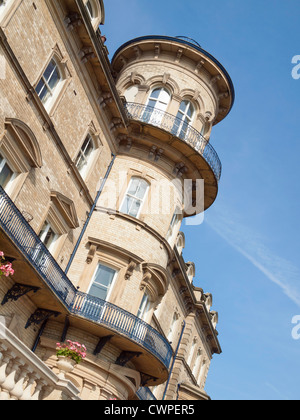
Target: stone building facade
100	162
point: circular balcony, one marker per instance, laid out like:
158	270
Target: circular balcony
176	127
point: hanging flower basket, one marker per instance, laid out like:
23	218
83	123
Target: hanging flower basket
5	267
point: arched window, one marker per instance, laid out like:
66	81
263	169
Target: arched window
191	353
172	326
174	227
184	119
90	9
19	152
144	307
157	104
135	197
95	9
85	155
197	363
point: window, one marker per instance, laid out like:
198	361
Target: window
48	236
156	107
197	363
48	82
102	282
171	330
173	228
135	196
90	9
191	354
84	156
6	173
144	307
95	9
183	119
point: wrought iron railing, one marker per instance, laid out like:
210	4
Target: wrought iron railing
144	394
178	128
78	303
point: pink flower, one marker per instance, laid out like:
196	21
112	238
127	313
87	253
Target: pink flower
2	254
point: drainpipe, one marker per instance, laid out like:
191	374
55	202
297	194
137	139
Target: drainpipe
90	213
174	358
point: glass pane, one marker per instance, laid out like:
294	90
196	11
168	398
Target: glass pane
5	175
81	163
98	291
155	93
54	79
137	188
40	87
104	275
88	147
90	9
49	239
49	70
134	209
126	205
102	282
183	106
143	306
190	111
164	96
44	94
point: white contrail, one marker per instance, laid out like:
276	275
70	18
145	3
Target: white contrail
250	244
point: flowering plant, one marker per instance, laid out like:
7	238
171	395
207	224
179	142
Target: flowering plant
72	350
5	267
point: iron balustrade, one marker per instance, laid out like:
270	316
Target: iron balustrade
178	128
124	323
144	394
78	303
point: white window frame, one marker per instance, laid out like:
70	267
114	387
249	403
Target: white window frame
14	174
53	92
112	282
45	233
172	327
81	155
144	307
96	15
174	228
142	201
57	92
161	105
184	118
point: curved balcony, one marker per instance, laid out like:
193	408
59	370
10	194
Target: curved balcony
177	128
76	303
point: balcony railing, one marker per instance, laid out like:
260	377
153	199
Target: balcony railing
78	303
144	394
178	128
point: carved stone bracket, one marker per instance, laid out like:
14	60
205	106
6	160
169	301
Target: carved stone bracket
72	20
18	290
130	269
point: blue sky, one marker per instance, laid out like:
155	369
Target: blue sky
247	250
